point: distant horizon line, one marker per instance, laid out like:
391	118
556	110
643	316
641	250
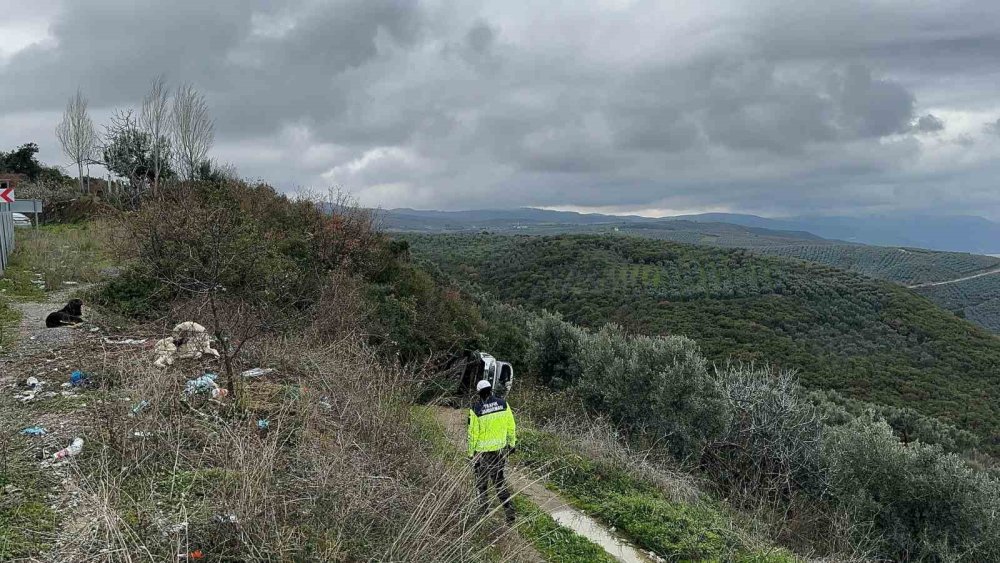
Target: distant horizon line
696	213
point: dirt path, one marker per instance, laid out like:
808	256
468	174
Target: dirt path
523	482
956	280
48	354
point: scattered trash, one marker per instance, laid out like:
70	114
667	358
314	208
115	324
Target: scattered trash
257	372
26	396
226	519
33	431
202	384
205	384
95	329
263	424
32	382
325	403
71	283
73	449
196	554
126	341
143	434
141	406
78	378
66	384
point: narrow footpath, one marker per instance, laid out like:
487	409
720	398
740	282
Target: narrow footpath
48	354
532	487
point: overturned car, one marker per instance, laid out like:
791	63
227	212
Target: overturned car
482	366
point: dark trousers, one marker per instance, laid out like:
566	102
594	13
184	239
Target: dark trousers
489	469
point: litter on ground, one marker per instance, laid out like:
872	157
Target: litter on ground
78	378
139	407
205	384
257	372
126	341
33	431
73	449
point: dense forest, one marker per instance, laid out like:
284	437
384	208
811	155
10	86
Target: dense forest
977	299
869	339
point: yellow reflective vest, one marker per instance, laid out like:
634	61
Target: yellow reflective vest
491	426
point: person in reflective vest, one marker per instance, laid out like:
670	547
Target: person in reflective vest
492	435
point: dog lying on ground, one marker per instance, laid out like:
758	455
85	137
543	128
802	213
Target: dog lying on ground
189	340
71	314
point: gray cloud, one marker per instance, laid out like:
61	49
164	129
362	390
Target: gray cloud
928	124
777	106
993	127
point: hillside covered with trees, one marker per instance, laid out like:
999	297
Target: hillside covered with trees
869	339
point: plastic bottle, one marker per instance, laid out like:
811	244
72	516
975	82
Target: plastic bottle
73	449
141	406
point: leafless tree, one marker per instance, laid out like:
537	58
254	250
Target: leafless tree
193	130
155	122
76	134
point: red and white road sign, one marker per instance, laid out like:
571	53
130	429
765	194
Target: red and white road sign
7	195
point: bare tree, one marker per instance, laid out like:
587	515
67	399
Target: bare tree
193	130
76	134
155	122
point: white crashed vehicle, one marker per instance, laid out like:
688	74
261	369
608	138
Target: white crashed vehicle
484	366
21	220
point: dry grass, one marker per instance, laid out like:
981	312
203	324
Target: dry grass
47	258
342	473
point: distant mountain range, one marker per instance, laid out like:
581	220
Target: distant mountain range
956	233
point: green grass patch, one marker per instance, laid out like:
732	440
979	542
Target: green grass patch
195	483
9	319
638	509
27	524
45	259
556	543
132	296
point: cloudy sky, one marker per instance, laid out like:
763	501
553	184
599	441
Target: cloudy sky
772	106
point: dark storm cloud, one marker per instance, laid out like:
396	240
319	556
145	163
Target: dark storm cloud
776	106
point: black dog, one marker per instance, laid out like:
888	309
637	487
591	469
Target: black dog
71	314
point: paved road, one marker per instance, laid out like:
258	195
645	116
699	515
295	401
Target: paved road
946	282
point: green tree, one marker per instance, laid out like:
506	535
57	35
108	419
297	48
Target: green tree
22	161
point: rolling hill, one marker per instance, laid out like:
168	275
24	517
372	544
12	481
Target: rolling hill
907	266
870	339
977	299
957	233
979	302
